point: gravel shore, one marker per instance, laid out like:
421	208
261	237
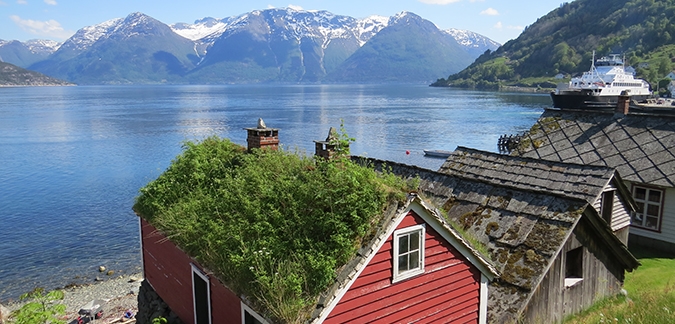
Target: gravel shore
120	294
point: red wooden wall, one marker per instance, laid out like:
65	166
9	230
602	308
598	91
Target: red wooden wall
447	292
167	269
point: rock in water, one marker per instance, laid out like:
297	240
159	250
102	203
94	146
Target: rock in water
101	268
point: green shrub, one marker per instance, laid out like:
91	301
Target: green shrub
40	308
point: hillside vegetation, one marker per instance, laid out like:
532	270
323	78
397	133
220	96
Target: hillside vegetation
12	75
563	42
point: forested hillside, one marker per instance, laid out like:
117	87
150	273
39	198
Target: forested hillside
12	75
563	42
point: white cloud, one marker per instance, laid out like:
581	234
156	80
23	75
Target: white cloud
439	2
270	7
498	25
49	28
477	1
21	1
294	7
50	2
490	12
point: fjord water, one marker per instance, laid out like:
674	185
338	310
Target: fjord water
73	158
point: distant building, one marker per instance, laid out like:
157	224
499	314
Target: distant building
630	69
670	75
559	76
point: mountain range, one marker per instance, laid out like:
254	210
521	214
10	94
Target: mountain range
272	45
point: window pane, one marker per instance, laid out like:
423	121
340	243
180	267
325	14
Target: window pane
652	222
402	263
414	260
637	219
640	207
652	210
640	193
655	196
414	241
403	244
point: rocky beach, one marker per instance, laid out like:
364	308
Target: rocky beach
120	295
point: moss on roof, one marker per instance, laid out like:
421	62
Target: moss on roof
272	225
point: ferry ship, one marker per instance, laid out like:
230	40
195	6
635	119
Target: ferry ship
600	87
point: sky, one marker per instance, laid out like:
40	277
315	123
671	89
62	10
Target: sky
499	20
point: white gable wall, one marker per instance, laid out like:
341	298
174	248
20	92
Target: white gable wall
620	210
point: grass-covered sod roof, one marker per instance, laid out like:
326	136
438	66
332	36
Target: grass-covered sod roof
272	225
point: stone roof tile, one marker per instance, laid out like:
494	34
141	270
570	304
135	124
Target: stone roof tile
637	138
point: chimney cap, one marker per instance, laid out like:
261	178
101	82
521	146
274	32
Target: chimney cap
261	126
332	136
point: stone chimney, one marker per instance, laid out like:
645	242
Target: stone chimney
262	137
325	149
623	104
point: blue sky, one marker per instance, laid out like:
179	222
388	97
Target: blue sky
500	20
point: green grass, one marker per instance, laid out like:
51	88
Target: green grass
651	295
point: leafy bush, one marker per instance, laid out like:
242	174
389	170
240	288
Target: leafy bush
40	308
274	226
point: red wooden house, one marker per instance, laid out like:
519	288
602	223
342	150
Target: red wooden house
417	269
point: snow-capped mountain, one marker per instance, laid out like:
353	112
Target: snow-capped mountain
475	43
135	49
410	48
23	54
87	36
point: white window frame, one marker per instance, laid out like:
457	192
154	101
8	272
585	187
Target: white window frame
399	276
199	272
646	202
245	309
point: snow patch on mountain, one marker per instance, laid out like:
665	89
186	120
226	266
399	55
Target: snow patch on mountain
470	39
89	35
201	28
367	28
40	46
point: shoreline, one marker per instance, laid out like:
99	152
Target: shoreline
120	294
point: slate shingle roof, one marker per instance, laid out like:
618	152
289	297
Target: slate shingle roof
641	147
522	227
572	180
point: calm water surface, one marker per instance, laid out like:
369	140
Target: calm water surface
73	158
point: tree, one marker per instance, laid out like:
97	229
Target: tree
41	309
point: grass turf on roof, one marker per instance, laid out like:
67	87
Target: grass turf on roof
272	225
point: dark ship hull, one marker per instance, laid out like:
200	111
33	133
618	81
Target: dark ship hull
587	100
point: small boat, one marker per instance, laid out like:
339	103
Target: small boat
437	153
600	87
